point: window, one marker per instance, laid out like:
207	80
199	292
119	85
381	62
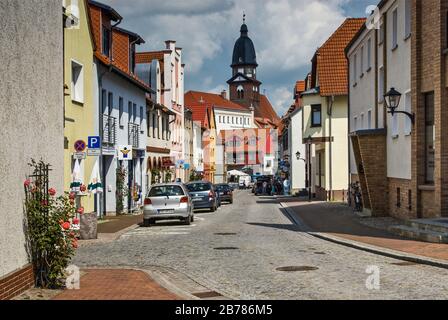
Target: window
120	111
163	128
410	200
228	119
429	138
362	61
134	112
110	102
369	119
369	54
219	119
316	115
362	121
132	58
398	197
381	34
141	116
154	125
106	41
240	92
394	29
158	127
407	108
355	69
77	82
381	85
104	101
355	124
407	22
129	111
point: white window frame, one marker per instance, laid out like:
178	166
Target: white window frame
369	119
369	54
77	85
408	108
381	83
407	19
394	37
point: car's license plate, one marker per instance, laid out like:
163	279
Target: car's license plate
166	211
197	199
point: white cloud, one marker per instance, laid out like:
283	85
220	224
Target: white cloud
280	98
285	32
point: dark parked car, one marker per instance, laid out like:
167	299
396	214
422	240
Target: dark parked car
203	195
225	192
263	187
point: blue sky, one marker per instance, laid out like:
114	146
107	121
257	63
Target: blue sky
285	33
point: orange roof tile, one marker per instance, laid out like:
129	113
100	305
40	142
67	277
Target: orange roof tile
300	86
331	60
265	110
147	57
215	100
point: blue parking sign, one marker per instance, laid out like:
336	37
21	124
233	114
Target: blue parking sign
94	142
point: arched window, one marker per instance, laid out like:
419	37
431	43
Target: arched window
240	92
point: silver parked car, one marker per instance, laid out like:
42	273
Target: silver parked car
168	201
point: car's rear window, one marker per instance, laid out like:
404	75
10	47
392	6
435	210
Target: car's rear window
197	187
223	187
163	191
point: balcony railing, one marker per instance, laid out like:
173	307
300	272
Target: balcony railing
133	134
109	130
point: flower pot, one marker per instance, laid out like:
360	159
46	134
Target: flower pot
88	226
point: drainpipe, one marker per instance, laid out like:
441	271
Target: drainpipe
330	103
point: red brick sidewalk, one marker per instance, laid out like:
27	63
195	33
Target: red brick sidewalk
117	284
341	222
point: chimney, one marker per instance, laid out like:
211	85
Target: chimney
170	45
224	94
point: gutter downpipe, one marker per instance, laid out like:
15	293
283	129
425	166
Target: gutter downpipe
102	204
330	113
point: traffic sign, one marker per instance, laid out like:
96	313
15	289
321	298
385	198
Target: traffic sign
94	142
79	155
93	152
80	146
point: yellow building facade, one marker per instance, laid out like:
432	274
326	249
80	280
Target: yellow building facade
80	103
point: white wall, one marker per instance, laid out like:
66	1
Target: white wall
121	87
298	167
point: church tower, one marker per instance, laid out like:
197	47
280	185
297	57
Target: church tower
244	88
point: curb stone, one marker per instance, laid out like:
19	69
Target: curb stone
366	247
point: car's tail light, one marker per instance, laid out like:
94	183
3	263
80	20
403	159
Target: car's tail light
184	200
147	202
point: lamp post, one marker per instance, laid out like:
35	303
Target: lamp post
392	99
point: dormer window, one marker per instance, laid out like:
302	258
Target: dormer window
106	41
132	58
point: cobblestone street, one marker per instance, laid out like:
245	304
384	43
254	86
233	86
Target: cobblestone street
237	250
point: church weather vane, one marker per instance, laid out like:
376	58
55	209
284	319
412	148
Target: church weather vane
244	17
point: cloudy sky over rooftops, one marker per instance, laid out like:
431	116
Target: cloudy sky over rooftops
285	33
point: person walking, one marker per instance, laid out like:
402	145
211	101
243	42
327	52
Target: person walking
286	187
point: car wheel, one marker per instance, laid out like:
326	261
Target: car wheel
187	221
192	218
231	201
147	223
213	209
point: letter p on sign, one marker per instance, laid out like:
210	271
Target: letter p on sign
94	142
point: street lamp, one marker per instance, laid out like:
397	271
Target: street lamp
298	156
392	99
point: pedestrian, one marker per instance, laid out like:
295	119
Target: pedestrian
286	187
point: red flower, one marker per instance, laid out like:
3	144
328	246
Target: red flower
27	182
76	221
80	210
66	225
52	192
83	188
75	244
72	234
72	196
44	203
